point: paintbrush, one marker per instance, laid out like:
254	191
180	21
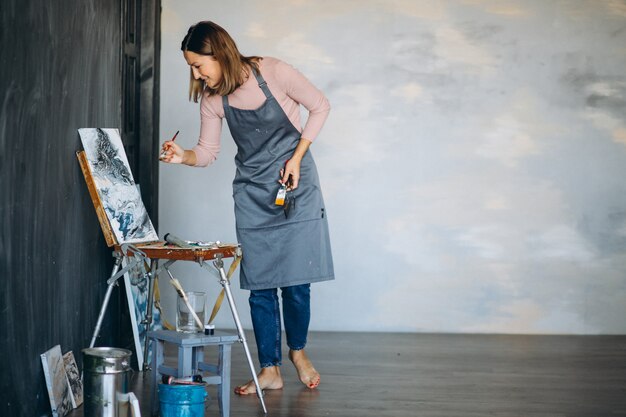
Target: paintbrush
181	292
164	153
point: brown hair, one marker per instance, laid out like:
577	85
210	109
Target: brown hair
208	38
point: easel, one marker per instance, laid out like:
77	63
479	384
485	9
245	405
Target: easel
210	258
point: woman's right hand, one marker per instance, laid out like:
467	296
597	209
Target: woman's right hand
172	153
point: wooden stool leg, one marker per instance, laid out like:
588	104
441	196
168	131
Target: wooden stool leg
197	356
223	370
185	359
157	361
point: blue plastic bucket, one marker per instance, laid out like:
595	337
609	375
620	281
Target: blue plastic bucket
182	400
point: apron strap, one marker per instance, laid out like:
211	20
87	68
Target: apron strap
262	85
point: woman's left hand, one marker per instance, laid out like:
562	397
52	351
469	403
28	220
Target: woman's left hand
292	167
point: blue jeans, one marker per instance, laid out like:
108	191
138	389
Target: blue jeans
265	313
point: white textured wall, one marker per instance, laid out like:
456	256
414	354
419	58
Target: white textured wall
474	162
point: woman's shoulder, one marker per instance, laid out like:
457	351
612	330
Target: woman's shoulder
273	65
211	105
278	73
268	62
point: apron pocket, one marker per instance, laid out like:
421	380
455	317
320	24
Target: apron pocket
255	205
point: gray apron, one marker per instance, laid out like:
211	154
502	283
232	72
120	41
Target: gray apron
278	251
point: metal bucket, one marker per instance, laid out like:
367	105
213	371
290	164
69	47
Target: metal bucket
106	374
182	400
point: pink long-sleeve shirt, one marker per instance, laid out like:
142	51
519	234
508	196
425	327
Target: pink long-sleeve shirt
290	88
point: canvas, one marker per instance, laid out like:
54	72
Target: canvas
137	296
116	187
128	405
56	381
135	411
73	379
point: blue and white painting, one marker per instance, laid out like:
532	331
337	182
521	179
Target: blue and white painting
137	290
74	379
116	187
56	381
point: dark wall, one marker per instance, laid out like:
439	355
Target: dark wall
60	69
149	146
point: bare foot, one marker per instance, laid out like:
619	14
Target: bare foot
269	378
306	372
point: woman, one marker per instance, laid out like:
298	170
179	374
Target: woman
284	246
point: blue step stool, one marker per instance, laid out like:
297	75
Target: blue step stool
190	358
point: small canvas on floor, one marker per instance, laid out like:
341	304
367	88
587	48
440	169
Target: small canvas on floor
56	381
73	379
128	406
116	187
